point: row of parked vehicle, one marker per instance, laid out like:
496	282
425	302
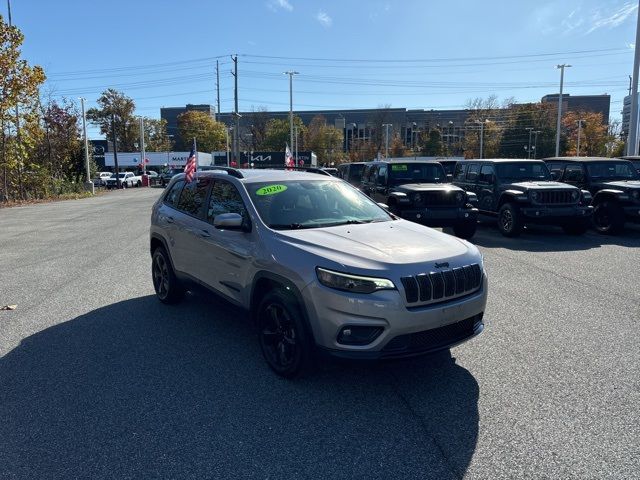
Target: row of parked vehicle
130	179
571	192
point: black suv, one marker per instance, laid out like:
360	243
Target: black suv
522	191
352	172
418	191
613	183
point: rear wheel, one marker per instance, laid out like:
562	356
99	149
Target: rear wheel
166	284
608	218
284	340
465	230
509	220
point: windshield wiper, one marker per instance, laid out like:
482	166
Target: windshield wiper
290	226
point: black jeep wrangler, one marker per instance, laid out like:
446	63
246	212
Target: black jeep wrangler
614	185
352	172
418	191
518	192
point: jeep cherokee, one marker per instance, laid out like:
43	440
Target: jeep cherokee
319	266
518	192
419	191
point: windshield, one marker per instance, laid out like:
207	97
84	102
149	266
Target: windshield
522	171
292	205
612	170
400	173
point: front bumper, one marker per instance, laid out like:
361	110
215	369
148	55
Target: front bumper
556	215
440	216
406	331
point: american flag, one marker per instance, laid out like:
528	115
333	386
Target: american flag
288	157
191	166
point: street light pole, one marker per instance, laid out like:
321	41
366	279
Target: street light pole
561	67
386	140
143	153
291	73
632	139
89	183
535	143
529	149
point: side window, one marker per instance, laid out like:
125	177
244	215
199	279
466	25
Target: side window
459	172
472	172
172	196
193	197
573	173
381	177
225	198
487	175
371	174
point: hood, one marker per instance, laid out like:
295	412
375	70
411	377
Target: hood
426	187
540	185
376	246
620	184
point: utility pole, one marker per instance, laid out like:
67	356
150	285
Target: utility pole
561	67
295	146
386	140
17	122
579	132
236	114
88	184
142	149
291	73
529	149
226	131
218	83
115	149
632	140
482	137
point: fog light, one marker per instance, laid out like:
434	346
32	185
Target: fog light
358	335
466	215
418	215
537	214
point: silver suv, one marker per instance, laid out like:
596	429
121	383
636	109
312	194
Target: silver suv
319	265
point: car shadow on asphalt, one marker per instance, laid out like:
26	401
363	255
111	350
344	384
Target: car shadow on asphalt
139	389
543	238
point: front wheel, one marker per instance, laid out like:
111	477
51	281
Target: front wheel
465	230
284	339
608	218
509	220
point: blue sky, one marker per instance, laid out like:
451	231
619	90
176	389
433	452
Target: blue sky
350	54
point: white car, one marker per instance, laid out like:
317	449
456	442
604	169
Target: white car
127	179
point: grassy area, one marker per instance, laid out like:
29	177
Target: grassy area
54	198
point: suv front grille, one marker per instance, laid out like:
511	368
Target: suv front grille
438	199
554	197
442	285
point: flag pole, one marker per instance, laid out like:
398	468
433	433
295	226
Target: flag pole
195	151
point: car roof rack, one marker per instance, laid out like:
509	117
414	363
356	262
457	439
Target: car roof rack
234	172
300	169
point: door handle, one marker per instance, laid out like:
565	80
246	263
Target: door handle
169	219
204	234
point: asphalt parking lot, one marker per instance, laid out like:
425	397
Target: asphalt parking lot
100	380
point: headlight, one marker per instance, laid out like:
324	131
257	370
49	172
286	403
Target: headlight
635	194
352	283
534	196
574	195
459	197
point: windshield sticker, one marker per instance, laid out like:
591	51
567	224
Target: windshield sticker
271	190
399	168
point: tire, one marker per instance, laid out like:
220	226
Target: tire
168	288
509	220
578	227
124	185
465	230
608	218
285	341
138	183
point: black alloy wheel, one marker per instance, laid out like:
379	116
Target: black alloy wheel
608	218
509	222
283	338
167	286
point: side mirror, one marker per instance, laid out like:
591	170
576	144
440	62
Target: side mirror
449	177
555	175
383	205
228	221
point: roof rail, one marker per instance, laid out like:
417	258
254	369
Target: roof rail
234	172
300	169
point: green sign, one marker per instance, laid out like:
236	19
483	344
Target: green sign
271	189
399	168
